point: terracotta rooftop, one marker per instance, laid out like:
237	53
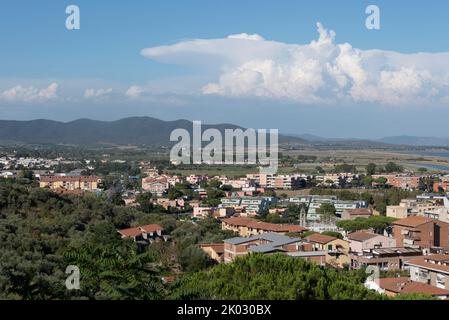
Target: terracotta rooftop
130	232
217	247
412	221
155	180
320	238
151	228
436	262
361	235
405	285
255	224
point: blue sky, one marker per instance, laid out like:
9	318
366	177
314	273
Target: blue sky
100	71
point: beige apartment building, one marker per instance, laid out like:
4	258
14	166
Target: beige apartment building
412	207
86	183
431	269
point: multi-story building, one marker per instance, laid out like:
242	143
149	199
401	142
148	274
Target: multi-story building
402	181
246	227
335	178
423	232
337	250
157	185
314	202
404	285
281	181
441	214
431	269
196	179
202	212
214	250
85	183
383	258
167	203
414	207
248	206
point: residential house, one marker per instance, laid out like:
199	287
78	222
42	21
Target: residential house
350	214
383	258
431	269
337	250
362	240
202	212
261	243
146	233
318	257
421	232
156	185
167	203
404	285
134	233
214	250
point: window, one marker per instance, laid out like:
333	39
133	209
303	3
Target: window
440	281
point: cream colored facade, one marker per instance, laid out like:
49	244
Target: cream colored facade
86	183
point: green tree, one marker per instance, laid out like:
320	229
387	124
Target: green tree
111	272
327	212
370	169
381	181
144	201
392	167
333	234
367	181
272	277
194	259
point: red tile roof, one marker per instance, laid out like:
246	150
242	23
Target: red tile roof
413	221
217	247
405	285
320	238
437	262
255	224
360	212
151	228
130	232
361	235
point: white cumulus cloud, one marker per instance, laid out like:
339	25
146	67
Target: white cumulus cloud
30	94
97	93
322	71
135	92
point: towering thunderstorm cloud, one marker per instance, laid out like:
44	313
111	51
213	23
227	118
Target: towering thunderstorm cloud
322	71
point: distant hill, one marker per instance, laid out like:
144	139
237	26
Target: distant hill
317	141
416	141
134	131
